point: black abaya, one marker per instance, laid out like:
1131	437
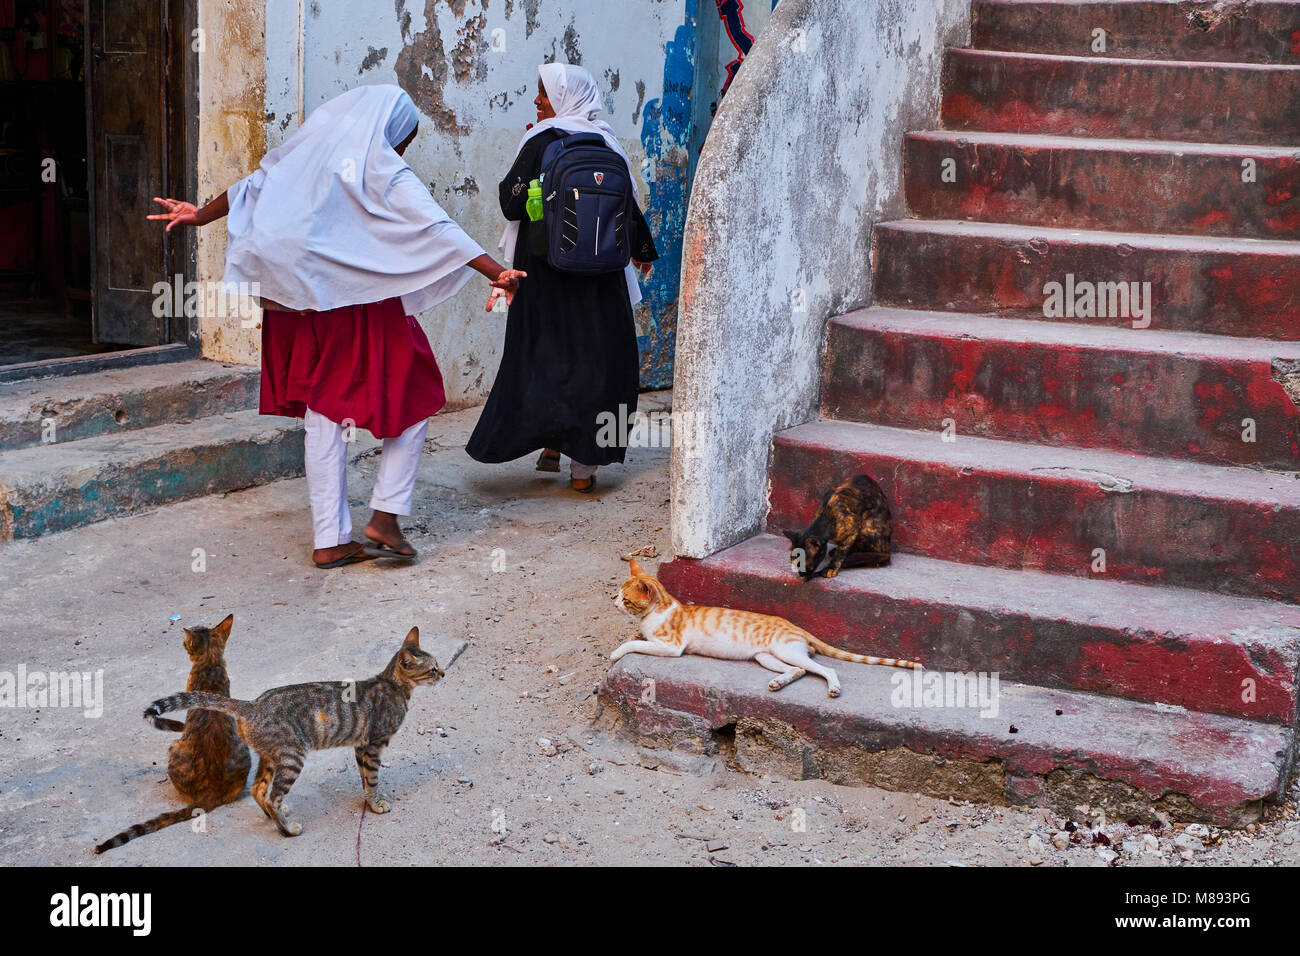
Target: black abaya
570	350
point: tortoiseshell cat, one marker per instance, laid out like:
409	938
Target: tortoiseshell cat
853	526
209	765
285	723
672	629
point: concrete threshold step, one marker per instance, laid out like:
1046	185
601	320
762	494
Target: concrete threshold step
1206	652
1042	747
1142	390
1262	31
70	408
1131	185
53	487
1226	286
1094	96
1232	530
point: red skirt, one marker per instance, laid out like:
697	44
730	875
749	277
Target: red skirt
368	363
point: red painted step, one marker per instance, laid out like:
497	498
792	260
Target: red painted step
1262	31
1125	185
1036	507
1167	645
1247	287
1129	99
1179	394
1054	748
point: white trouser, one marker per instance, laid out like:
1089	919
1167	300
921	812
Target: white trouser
580	471
327	476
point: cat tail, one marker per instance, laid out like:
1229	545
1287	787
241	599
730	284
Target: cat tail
821	647
198	699
159	822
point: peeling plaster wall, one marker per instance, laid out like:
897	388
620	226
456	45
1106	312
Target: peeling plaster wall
471	67
231	140
804	157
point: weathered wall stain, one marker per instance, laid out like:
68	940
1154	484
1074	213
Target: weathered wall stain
467	56
373	59
422	71
640	101
571	48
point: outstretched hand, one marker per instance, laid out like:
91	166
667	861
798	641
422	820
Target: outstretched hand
507	284
179	213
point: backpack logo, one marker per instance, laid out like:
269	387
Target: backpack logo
600	178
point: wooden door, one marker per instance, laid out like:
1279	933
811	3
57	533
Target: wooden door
132	127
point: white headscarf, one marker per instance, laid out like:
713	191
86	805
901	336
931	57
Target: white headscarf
576	100
334	217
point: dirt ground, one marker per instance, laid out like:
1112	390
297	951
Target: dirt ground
497	764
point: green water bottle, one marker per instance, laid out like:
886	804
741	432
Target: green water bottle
534	204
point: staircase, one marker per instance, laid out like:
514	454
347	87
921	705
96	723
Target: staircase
1095	487
79	449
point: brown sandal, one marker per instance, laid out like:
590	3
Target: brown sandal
356	557
591	485
404	550
547	462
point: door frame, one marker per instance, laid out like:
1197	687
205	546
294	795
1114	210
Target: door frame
180	164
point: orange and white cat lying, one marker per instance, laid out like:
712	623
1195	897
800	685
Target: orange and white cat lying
671	629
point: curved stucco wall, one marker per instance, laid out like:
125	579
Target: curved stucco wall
804	157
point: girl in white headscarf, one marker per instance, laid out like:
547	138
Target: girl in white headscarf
570	358
345	245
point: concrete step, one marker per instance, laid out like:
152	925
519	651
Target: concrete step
1131	99
53	487
1036	507
1247	287
1126	185
1151	392
1262	31
74	407
1042	747
1161	644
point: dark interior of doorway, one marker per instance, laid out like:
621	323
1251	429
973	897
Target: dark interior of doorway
45	237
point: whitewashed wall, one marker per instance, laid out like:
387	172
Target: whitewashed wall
805	156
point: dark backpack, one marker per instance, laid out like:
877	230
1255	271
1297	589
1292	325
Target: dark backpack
587	205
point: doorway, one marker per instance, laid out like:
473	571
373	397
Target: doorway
94	103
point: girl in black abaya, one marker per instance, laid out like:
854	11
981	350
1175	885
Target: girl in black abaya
569	370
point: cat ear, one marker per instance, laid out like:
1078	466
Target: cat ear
635	567
222	630
412	638
792	535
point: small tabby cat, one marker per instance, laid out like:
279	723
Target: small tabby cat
671	629
209	765
853	525
285	723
